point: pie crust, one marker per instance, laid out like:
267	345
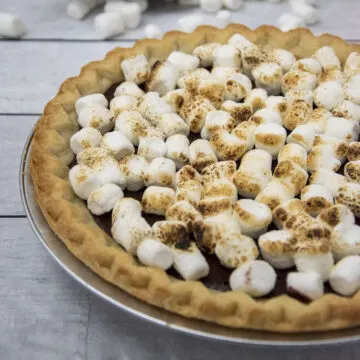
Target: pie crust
69	217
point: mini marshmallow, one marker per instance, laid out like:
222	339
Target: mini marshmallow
92	100
12	26
352	65
318	119
289	21
275	193
187	173
332	75
213	90
153	31
237	87
109	24
227	56
223	18
256	278
216	120
329	95
190	23
117	144
299	113
126	207
132	15
136	69
220	188
205	53
129	231
305	11
285	58
83	180
256	99
342	128
270	137
162	78
352	89
175	99
201	154
322	156
245	131
305	95
151	148
123	103
302	135
222	74
348	110
291	207
218	171
349	195
327	58
190	191
183	62
354	151
252	56
254	217
345	276
160	172
177	149
306	285
97	117
238	111
171	233
103	199
239	41
309	65
328	179
77	9
134	168
86	138
294	153
339	147
213	206
185	212
268	76
211	6
154	253
129	88
352	171
317	198
266	116
157	199
298	80
111	6
254	173
278	104
233	4
275	248
228	146
191	81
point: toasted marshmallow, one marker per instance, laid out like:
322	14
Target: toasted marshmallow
220	188
122	103
285	58
348	110
329	95
91	101
254	217
84	181
187	173
151	148
349	195
237	87
289	208
129	88
289	21
218	171
305	95
256	278
328	179
322	156
191	80
268	76
342	128
205	53
185	212
266	116
117	144
351	89
318	119
327	58
86	138
332	75
302	135
354	151
134	167
306	285
345	276
245	131
294	153
238	111
190	190
162	78
157	199
352	65
317	198
171	233
129	231
227	146
152	106
352	171
299	113
171	124
97	117
270	137
275	193
309	65
160	172
126	207
213	90
239	41
275	248
256	99
226	56
278	104
154	253
201	154
212	206
177	149
254	173
175	99
136	69
216	120
183	62
252	56
298	80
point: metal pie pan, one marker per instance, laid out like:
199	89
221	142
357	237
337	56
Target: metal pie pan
130	304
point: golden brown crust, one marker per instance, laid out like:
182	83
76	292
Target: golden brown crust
70	219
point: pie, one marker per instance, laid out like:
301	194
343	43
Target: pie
214	174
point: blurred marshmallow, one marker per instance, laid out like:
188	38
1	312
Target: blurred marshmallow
157	199
307	285
177	149
294	153
349	195
190	23
328	179
201	154
223	18
12	26
306	12
136	69
123	103
103	199
153	31
233	4
109	24
83	180
132	15
268	76
117	144
205	53
329	95
92	100
285	58
76	9
97	117
352	89
211	6
270	137
160	172
289	21
134	168
85	138
327	58
129	88
154	253
317	198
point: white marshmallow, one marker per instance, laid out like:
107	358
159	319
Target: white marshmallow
298	80
278	104
289	21
78	9
317	198
342	128
327	58
318	119
152	106
162	78
97	117
345	276
227	146
302	135
256	99
103	199
233	4
315	263
92	100
126	207
190	23
216	120
132	15
84	181
153	31
352	89
309	2
285	58
134	168
352	65
305	95
348	110
256	278
154	253
322	156
157	199
346	240
109	24
87	137
332	75
205	53
11	26
223	18
275	193
275	248
328	179
211	6
339	147
294	153
349	195
270	137
268	76
183	62
329	95
117	144
161	172
226	56
307	285
136	69
129	88
201	154
352	171
309	65
239	41
172	124
151	148
177	149
266	116
245	131
123	103
306	12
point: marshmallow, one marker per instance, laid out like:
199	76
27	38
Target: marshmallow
275	248
220	188
239	41
342	128
332	75
228	146
177	149
210	6
92	100
349	195
305	95
289	21
294	153
327	58
329	95
302	135
354	151
175	99
328	179
129	88
345	276
160	172
298	80
136	69
190	23
278	104
285	58
306	285
237	87
270	137
256	278
227	56
86	138
256	99
151	148
187	173
223	18
222	74
153	31
190	191
268	76
233	4
183	62
123	103
12	26
352	89
322	156
212	206
348	110
299	113
109	24
252	56
162	78
77	9
266	116
352	171
97	117
254	173
132	15
134	168
117	144
318	119
191	80
153	253
283	212
172	233
339	147
309	65
337	215
129	231
352	65
111	6
218	171
306	12
245	131
213	90
205	53
317	198
103	199
201	154
216	120
238	111
83	180
126	207
275	193
254	217
185	212
157	199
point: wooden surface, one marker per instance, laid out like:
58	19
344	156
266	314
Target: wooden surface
44	314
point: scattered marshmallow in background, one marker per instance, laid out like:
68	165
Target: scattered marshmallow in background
11	26
78	9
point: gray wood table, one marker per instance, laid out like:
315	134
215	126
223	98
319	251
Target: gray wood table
44	314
